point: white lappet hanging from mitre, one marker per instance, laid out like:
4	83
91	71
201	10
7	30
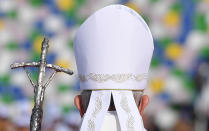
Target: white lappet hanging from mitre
113	51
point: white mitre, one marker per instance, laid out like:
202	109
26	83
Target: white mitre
113	51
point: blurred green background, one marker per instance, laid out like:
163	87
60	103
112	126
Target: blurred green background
178	78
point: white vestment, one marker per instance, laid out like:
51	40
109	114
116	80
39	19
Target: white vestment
111	122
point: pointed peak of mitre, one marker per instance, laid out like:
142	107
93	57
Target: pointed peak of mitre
117	13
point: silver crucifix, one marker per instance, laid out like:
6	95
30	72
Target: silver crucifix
39	88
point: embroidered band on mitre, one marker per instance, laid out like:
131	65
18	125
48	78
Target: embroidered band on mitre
113	50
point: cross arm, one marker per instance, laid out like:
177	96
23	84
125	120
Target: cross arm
59	69
36	64
24	64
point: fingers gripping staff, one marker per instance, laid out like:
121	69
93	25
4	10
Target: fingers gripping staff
113	50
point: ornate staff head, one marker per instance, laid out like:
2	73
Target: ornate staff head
39	88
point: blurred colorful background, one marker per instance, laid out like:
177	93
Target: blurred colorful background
179	74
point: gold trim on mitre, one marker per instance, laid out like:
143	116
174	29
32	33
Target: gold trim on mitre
114	77
142	90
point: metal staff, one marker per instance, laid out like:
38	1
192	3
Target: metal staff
39	88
